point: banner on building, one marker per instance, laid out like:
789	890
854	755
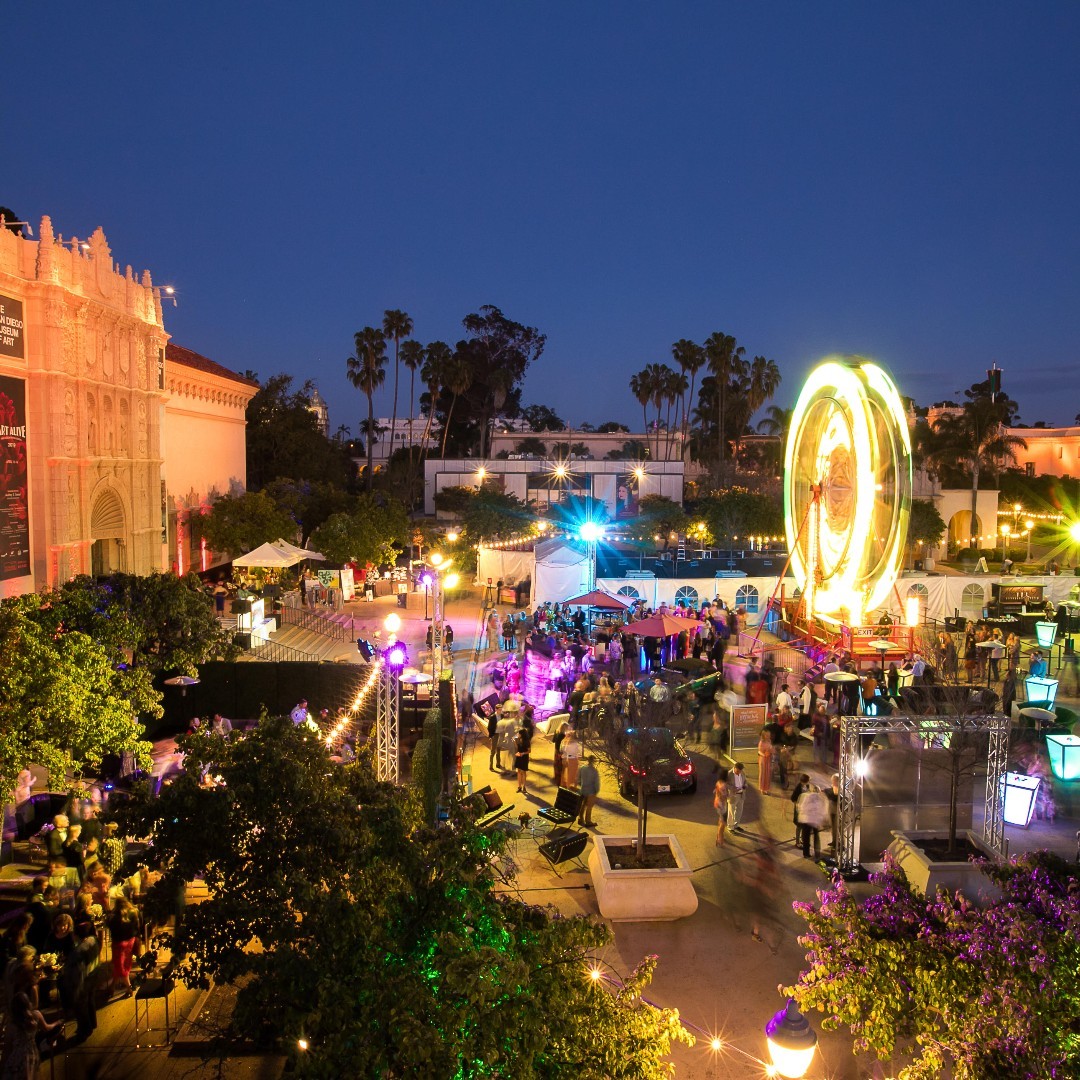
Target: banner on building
12	339
626	496
14	494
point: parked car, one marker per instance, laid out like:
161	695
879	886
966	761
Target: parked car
655	753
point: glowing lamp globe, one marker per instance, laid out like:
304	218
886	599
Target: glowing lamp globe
791	1040
451	581
392	622
1064	751
396	656
590	531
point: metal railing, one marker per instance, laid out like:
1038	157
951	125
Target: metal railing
318	623
274	651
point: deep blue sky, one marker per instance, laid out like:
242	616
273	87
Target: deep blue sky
895	180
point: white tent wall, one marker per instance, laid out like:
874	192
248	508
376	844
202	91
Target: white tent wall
945	594
509	567
561	570
751	593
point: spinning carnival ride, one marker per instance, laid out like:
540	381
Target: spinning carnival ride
847	489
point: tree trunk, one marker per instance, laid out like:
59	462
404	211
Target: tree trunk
446	427
370	438
393	415
645	418
954	794
412	398
974	502
721	387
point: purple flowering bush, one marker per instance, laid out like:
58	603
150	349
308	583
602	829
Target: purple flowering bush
950	988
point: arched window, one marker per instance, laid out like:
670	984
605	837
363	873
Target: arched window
746	596
972	601
688	595
630	592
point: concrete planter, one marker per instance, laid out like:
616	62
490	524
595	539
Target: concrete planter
927	875
642	895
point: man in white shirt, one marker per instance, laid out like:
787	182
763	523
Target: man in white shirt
784	700
736	797
299	715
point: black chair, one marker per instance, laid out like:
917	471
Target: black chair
566	809
564	845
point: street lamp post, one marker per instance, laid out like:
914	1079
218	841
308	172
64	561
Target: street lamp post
1029	525
1006	531
590	532
388	704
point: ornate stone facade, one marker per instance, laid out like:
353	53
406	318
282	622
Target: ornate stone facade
99	394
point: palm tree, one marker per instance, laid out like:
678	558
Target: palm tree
776	421
459	376
725	360
764	382
675	387
437	358
691	358
342	433
641	388
367	372
396	325
412	356
976	440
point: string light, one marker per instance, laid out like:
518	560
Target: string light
337	732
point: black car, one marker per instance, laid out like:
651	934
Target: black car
655	753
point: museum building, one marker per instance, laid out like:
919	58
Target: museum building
110	437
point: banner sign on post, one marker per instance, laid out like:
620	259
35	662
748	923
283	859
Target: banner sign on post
14	495
746	724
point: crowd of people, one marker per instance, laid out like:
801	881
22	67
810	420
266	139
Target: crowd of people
86	902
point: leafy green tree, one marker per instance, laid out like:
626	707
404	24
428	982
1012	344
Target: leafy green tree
458	378
433	373
611	427
308	504
341	917
366	370
532	445
735	511
724	357
961	991
64	700
975	444
540	418
239	523
659	514
632	450
373	531
283	439
926	526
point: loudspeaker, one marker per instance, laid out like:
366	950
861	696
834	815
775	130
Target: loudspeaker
569	845
365	648
955	624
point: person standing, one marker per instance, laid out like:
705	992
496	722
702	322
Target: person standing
797	793
590	791
813	811
494	760
571	759
765	760
521	759
784	700
557	741
78	983
736	796
492	630
125	931
720	805
819	726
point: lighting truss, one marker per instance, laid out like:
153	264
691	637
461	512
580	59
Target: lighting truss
996	726
387	712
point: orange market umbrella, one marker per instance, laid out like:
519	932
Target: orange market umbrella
659	626
597	599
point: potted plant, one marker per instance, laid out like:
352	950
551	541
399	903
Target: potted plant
642	877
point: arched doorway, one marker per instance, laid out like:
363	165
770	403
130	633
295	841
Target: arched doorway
108	534
960	529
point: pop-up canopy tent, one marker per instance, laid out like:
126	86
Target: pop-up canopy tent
562	569
269	555
304	553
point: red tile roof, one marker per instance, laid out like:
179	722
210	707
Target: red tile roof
177	354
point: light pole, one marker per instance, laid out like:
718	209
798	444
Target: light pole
791	1041
1029	525
1006	531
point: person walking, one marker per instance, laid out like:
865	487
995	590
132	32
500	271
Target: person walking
590	792
720	805
492	630
797	793
736	797
77	982
764	760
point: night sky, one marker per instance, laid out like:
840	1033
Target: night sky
894	180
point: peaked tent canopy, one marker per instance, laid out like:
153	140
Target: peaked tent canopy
304	553
268	555
660	626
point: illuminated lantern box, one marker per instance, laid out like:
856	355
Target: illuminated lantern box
1041	691
1020	794
1045	633
1064	751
